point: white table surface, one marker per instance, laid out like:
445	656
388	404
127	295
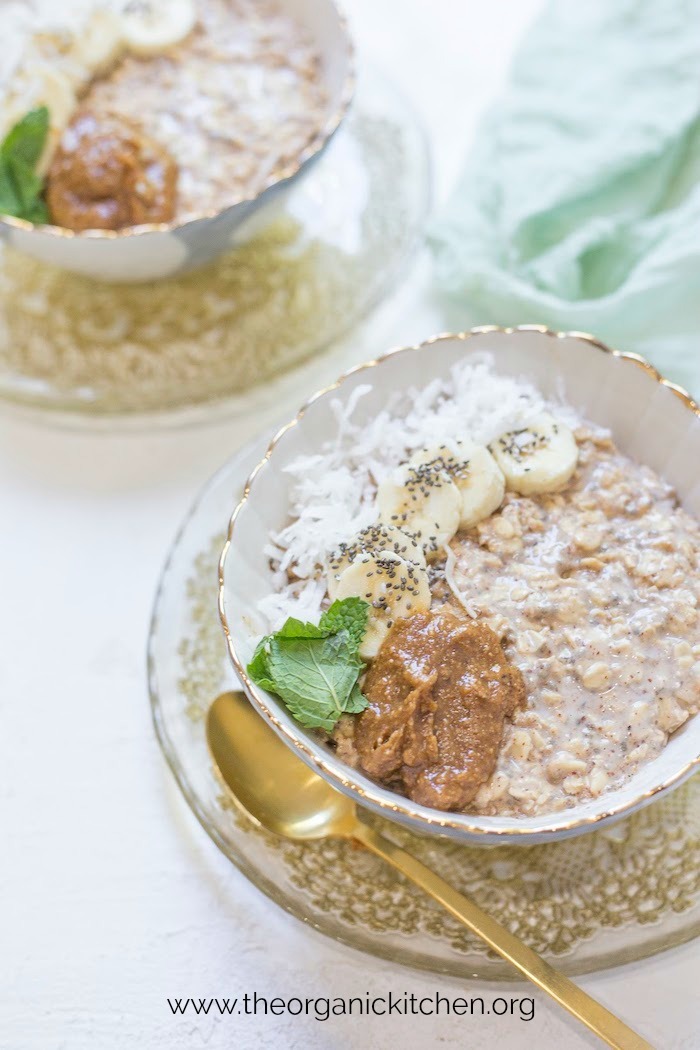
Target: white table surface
111	896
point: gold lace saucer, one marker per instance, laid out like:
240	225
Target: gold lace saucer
605	898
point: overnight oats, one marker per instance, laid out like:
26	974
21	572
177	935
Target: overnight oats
159	111
482	604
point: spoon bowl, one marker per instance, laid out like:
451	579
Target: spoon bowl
267	780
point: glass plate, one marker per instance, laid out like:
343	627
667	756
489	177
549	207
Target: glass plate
317	260
605	898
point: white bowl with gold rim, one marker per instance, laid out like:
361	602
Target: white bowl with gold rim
652	420
157	250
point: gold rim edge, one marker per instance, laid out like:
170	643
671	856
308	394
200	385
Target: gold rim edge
279	176
427	816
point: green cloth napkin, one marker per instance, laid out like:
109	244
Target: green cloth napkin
580	205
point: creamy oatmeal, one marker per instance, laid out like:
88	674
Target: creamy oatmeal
595	592
234	103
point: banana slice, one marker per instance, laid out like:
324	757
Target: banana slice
369	541
421	499
152	26
475	473
395	589
538	458
100	43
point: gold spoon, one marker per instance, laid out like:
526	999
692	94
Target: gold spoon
278	792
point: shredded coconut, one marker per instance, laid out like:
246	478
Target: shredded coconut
450	576
333	491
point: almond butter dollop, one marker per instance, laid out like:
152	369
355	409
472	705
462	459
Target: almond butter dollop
439	692
107	174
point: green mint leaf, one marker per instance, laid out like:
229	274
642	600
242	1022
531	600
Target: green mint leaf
357	701
9	201
37	212
315	677
314	669
28	186
293	628
258	668
347	614
20	186
26	140
308	718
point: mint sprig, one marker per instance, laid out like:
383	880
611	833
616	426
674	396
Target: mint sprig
314	669
20	186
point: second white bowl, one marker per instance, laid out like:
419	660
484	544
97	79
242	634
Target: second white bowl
152	252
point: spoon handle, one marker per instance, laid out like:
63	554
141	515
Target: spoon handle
605	1024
